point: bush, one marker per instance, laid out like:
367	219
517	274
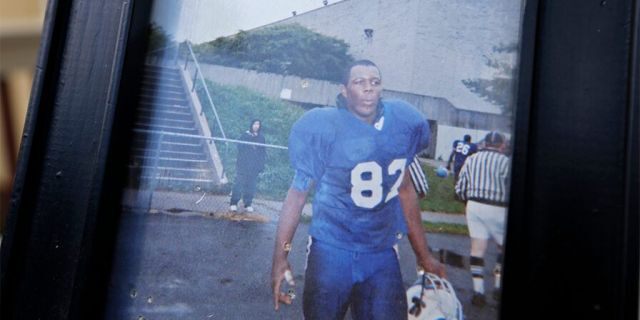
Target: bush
285	49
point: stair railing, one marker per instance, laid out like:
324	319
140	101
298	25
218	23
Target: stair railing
156	152
197	77
164	134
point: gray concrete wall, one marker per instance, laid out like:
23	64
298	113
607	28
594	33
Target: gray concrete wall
312	91
445	113
274	85
425	47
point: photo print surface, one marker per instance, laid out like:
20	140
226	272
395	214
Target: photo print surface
223	85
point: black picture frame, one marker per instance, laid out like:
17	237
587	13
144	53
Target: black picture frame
572	238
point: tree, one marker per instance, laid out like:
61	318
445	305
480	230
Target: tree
499	89
158	37
285	49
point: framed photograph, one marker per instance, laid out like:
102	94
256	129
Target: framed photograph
201	174
165	139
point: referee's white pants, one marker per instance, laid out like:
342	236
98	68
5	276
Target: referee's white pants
485	220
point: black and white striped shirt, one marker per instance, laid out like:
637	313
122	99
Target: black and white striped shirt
418	178
483	178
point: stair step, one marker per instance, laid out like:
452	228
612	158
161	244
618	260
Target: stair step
182	179
172	172
158	119
155	100
171	147
163	93
148	84
154	105
166	113
170	129
155	81
163	73
193	170
143	152
154	137
160	68
178	143
166	161
165	124
151	139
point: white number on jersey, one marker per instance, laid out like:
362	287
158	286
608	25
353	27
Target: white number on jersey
462	148
368	193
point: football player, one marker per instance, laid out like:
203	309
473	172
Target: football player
356	158
461	150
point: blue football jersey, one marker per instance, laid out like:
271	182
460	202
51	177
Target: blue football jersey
461	151
358	169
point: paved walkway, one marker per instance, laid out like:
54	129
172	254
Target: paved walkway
199	203
453	218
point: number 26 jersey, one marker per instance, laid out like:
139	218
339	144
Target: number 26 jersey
358	169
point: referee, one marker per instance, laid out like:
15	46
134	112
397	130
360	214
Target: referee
483	185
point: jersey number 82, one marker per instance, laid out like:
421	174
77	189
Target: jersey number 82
367	193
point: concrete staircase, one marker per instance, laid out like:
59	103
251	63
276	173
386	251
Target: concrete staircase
168	151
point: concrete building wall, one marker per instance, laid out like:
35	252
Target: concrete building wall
392	45
312	91
293	88
448	134
444	113
425	47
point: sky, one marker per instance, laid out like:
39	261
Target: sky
205	20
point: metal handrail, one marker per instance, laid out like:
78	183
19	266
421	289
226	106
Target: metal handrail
204	85
175	134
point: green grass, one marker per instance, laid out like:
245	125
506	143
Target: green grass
441	196
450	228
237	107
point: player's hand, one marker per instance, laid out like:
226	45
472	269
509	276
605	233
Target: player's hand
432	265
281	270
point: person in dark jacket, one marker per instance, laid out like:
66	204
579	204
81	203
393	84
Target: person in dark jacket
250	162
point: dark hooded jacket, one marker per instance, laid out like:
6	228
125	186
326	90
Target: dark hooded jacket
251	158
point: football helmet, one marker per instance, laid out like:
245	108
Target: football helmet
442	172
433	298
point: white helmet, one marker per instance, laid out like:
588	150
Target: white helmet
433	298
